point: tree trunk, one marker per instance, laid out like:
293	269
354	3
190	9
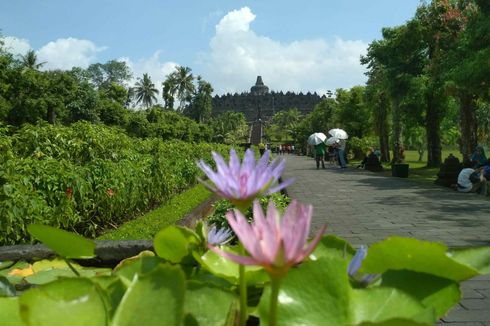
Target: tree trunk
384	144
433	124
382	127
397	133
468	125
51	115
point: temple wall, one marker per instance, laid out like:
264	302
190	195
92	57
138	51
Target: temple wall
269	104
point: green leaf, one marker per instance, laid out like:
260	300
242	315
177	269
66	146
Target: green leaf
155	298
209	305
140	264
10	312
174	243
228	269
477	258
6	288
70	301
432	291
382	304
6	264
64	243
315	293
333	246
415	255
114	289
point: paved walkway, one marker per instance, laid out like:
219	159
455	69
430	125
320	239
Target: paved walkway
364	207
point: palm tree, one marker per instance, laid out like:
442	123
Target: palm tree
182	85
29	60
145	91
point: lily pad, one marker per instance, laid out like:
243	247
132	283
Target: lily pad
10	312
315	293
70	301
208	304
380	304
64	243
228	269
174	243
155	298
477	258
416	255
432	291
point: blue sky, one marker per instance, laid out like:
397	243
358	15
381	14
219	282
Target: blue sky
295	45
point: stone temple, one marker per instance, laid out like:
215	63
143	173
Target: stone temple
260	103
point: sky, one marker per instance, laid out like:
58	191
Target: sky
300	46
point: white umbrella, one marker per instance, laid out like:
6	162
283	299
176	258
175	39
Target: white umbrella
332	140
316	138
338	133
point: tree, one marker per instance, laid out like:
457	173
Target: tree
202	102
466	68
398	56
284	123
113	71
29	61
145	91
230	128
180	83
352	111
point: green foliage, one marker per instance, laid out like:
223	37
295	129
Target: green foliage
230	128
360	146
87	176
186	282
173	210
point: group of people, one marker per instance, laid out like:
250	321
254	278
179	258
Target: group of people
283	149
475	174
337	150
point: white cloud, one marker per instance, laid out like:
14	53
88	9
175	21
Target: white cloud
67	53
238	55
154	67
16	46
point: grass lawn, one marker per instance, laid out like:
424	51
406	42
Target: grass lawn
146	226
417	169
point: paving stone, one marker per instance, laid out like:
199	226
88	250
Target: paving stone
365	207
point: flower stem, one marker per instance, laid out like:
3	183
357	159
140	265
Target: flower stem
71	267
243	292
275	285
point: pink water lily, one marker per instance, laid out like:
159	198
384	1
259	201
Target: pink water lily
242	183
273	242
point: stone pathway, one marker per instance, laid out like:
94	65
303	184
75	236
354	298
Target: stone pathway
364	207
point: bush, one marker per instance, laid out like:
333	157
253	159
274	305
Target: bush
87	176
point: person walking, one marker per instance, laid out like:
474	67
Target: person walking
320	154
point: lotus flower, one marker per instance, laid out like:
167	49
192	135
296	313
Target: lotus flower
219	236
242	183
355	264
273	242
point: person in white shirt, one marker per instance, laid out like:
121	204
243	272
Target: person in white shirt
465	182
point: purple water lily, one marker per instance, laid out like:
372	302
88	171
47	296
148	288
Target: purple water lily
355	264
219	236
242	183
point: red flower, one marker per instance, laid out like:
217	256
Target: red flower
110	192
69	192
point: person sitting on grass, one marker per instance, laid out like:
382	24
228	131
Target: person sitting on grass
478	158
471	180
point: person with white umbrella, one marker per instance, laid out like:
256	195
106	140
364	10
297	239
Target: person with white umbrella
318	140
342	136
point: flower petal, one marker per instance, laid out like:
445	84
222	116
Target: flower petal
242	260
